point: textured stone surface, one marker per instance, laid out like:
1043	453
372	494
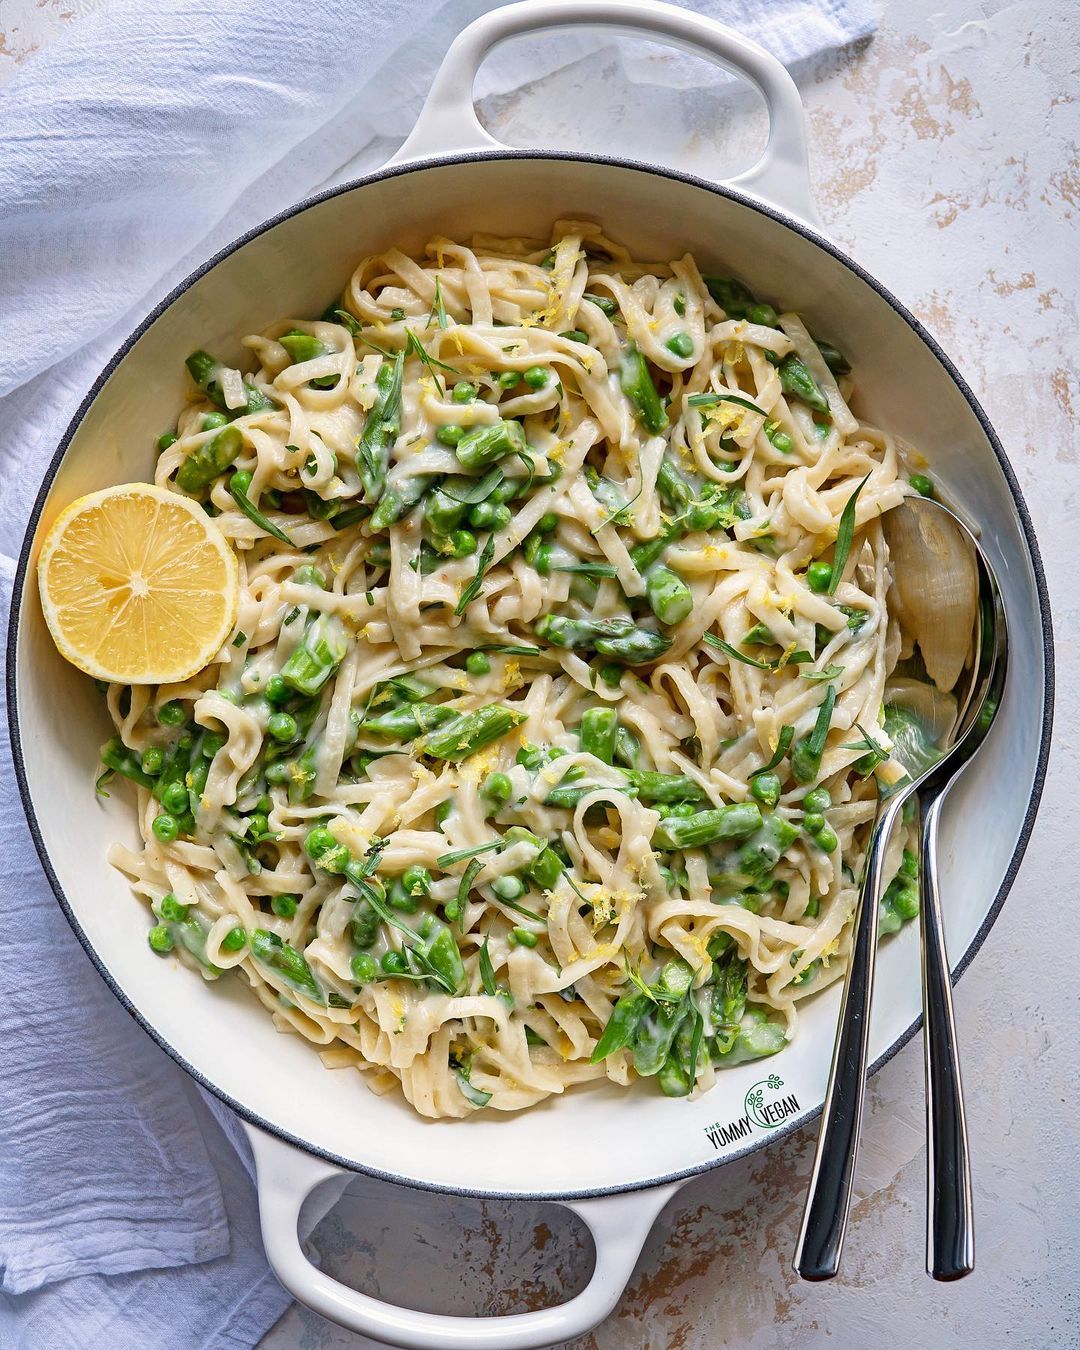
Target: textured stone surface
944	158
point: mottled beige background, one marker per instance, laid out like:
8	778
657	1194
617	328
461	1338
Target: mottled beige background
945	158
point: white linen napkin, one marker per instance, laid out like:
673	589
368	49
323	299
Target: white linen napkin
145	138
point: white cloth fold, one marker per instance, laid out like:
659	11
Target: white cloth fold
145	138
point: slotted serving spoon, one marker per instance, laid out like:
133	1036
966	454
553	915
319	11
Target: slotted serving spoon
950	1242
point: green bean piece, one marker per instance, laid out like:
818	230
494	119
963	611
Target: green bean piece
731	295
324	646
806	756
381	428
286	961
399	497
469	732
669	597
736	821
665	787
406	723
598	730
239	484
637	384
626	1016
208	460
116	756
483	445
834	358
796	380
617	637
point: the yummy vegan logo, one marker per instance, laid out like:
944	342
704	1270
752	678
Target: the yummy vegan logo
765	1106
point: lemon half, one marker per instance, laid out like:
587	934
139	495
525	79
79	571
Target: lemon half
138	585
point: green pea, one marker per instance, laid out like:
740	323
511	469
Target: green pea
277	691
764	315
547	523
450	435
765	787
364	967
496	789
813	821
509	378
171	714
508	888
478	663
826	839
819	576
165	827
160	938
612	675
684	810
319	842
233	940
536	377
416	880
284	906
212	421
462	543
394	963
817	799
282	726
906	902
175	799
680	345
166	440
463	392
152	759
923	485
279	773
258	827
522	937
170	909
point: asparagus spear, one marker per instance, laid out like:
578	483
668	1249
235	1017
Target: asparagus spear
796	379
399	497
209	459
381	428
322	650
406	723
598	729
617	637
483	445
203	369
706	827
669	597
637	385
468	732
290	964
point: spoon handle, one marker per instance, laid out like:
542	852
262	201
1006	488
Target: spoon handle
950	1240
817	1255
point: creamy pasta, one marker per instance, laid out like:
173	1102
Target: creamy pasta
547	743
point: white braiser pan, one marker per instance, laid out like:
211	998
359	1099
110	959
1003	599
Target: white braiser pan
613	1156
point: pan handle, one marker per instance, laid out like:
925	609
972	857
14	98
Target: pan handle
286	1176
448	123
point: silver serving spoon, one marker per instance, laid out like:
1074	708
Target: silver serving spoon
950	1247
